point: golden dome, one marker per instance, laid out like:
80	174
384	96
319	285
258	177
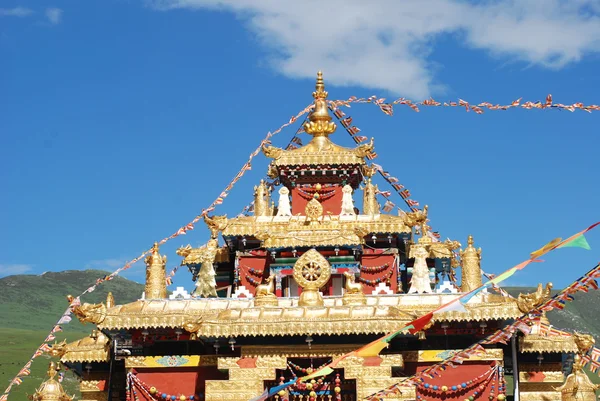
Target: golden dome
51	390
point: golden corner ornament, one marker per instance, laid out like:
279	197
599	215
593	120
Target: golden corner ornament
287	289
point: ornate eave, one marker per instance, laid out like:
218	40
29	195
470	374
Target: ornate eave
231	317
538	343
312	155
194	257
296	231
87	349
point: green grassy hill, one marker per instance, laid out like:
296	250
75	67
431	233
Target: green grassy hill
30	306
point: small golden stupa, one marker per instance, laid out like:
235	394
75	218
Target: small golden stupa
51	389
577	386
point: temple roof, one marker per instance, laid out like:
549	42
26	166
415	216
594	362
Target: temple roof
93	348
286	231
536	343
319	151
239	317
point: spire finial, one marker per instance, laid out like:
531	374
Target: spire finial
470	240
320	92
320	124
52	370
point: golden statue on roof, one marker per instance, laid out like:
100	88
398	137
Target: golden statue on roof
528	302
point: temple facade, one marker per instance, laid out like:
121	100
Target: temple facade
318	270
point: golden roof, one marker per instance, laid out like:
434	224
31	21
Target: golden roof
539	343
239	317
50	390
94	348
320	150
286	231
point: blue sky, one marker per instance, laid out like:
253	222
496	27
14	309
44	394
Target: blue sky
121	120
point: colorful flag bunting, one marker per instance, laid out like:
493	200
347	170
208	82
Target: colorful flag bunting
388	206
578	242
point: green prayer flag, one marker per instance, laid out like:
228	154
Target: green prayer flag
579	242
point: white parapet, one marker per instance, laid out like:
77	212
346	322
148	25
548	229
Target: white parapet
241	292
180	293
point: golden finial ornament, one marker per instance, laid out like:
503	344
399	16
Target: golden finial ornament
320	124
51	389
471	267
110	300
156	274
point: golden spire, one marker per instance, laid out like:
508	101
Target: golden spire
471	267
110	300
50	390
156	274
320	124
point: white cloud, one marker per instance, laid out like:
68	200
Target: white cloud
54	15
10	269
387	44
15	12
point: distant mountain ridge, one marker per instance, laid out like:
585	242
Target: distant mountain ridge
36	302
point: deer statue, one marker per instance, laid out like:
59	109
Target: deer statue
352	287
267	288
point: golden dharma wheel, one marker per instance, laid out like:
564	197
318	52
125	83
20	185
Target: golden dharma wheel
312	270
